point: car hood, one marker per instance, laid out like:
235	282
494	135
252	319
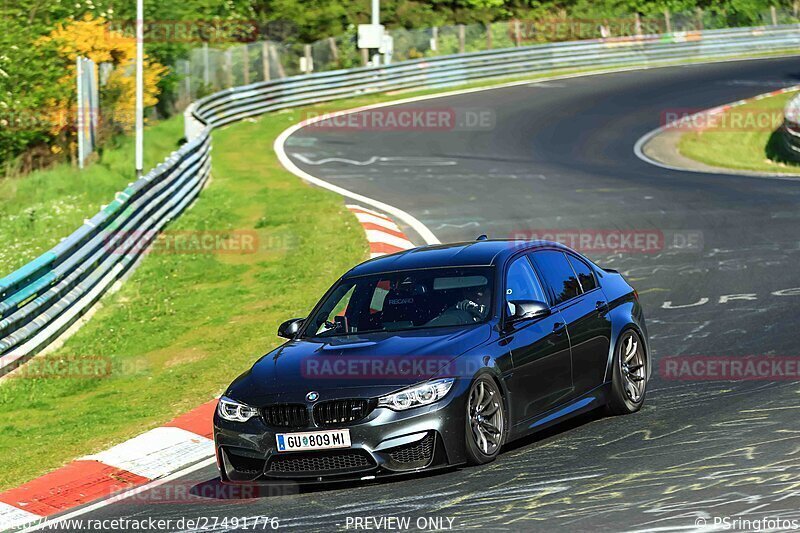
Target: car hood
362	365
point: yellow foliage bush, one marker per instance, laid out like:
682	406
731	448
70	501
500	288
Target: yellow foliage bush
92	38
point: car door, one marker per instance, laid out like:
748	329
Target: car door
539	347
576	295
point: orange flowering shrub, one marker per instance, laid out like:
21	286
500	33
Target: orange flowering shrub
92	38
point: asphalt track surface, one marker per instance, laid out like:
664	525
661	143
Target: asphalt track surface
559	155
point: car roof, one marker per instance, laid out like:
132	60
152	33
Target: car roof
461	254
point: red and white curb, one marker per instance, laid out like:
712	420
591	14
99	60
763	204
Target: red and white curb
638	148
151	455
727	107
159	452
384	236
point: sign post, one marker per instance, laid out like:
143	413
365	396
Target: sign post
371	36
139	87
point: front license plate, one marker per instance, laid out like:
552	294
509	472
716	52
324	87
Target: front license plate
313	440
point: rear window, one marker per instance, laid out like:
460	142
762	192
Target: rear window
557	274
585	274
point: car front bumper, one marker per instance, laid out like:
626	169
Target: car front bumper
384	443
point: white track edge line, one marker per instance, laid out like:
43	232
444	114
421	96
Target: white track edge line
426	234
421	229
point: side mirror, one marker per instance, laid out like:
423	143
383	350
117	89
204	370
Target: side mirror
289	329
524	309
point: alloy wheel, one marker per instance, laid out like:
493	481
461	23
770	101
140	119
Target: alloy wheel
632	362
485	410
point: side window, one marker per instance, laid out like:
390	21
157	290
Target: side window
335	321
558	274
522	283
585	274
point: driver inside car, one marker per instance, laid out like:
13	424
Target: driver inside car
475	302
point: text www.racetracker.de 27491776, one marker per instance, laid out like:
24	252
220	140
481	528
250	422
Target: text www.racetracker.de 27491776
199	523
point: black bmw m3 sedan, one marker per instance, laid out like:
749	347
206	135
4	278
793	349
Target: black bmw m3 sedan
435	357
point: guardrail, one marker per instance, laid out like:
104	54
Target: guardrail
241	102
790	131
42	299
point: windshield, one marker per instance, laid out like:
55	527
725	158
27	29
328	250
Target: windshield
399	301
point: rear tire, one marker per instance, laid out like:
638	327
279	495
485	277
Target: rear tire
486	421
629	374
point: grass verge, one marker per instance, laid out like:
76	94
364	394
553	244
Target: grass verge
39	209
183	325
745	137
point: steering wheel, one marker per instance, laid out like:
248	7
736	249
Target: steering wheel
475	310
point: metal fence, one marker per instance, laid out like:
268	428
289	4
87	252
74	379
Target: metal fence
240	102
40	300
207	70
88	104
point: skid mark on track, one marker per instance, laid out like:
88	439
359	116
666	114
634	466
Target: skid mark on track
404	161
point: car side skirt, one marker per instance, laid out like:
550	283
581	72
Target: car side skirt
593	399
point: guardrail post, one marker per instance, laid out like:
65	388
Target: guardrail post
265	59
245	65
517	33
637	25
795	8
364	57
774	13
667	21
699	13
434	39
462	38
489	36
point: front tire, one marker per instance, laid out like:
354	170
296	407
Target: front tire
629	378
486	421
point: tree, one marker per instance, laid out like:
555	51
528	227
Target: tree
91	38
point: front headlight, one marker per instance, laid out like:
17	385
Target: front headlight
235	411
418	395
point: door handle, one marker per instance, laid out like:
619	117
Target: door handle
601	306
559	328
